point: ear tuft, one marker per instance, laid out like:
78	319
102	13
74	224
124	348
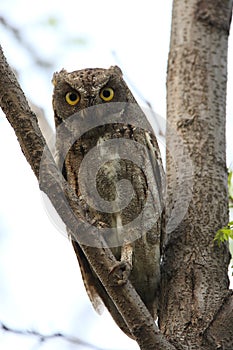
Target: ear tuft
116	70
56	76
54	79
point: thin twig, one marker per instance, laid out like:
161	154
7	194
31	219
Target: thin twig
45	337
23	43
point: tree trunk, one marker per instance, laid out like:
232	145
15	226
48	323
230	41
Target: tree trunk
194	276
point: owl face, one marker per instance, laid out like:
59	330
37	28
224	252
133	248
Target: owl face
80	89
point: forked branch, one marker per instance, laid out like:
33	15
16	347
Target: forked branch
35	149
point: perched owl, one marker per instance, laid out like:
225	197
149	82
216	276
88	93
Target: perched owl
108	153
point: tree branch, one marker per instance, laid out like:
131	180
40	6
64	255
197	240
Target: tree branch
220	332
216	13
45	337
66	203
195	271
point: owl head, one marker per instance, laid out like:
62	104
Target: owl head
75	91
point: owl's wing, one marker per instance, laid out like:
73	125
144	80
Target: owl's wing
89	279
96	291
157	165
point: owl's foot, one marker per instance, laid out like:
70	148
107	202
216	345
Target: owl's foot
123	268
120	272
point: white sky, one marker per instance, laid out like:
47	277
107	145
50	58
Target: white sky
41	287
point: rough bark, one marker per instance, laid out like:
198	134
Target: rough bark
194	278
219	335
33	145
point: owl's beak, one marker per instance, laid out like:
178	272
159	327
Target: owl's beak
90	101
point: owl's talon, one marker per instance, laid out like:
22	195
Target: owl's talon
121	271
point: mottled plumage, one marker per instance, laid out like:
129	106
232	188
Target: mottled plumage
103	112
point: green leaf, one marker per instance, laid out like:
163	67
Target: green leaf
230	178
224	233
230	187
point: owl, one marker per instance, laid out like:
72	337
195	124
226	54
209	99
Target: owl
108	153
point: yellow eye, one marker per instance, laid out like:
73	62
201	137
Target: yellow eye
107	94
72	98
